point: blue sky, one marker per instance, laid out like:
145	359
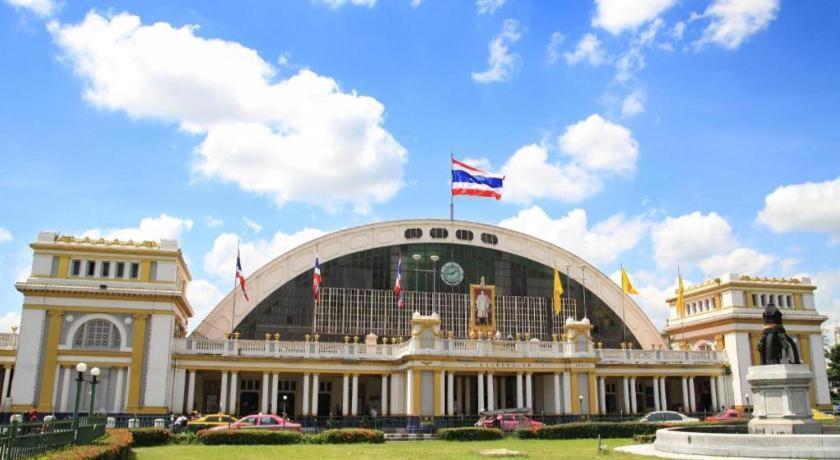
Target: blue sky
661	133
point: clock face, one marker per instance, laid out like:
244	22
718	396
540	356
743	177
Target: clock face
451	273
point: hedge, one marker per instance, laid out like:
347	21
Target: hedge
248	437
150	436
583	430
470	434
348	436
115	445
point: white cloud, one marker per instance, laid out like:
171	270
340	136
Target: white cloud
8	320
616	16
653	291
339	3
812	206
733	21
529	175
23	273
502	63
603	242
488	6
220	261
553	49
42	8
633	60
415	3
600	145
265	136
212	222
203	296
678	31
588	49
740	260
634	103
255	227
690	238
150	228
5	235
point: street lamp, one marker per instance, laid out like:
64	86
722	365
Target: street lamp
94	373
417	258
434	258
580	406
747	396
81	368
285	397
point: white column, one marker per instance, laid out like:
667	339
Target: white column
625	382
459	390
314	389
663	393
633	403
306	397
275	386
65	388
691	397
520	398
656	393
179	385
264	398
190	391
224	393
354	403
529	391
720	382
480	393
491	394
557	404
118	390
383	396
234	393
345	395
567	392
450	394
713	386
409	393
685	403
602	395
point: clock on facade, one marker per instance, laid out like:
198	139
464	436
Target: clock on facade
451	273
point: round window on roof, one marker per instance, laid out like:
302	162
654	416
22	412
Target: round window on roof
439	233
464	235
489	238
413	233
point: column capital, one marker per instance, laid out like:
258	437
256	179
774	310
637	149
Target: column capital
55	312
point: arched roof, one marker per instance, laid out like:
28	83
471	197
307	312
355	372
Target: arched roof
284	268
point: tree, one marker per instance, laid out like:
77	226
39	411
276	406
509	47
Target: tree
834	366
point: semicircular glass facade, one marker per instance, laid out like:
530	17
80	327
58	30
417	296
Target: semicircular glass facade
359	299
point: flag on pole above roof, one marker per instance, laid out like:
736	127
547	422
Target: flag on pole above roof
558	293
398	285
626	285
316	280
680	295
472	181
240	277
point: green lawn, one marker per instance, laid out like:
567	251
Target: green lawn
425	450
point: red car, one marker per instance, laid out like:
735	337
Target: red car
726	415
261	422
508	422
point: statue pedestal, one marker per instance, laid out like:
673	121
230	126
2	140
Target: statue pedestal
780	400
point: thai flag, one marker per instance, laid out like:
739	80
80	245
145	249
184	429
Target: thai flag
316	280
398	285
469	180
239	276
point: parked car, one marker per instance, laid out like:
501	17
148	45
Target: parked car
210	421
667	416
507	421
727	415
819	415
261	422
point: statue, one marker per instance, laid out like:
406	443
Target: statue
776	347
482	304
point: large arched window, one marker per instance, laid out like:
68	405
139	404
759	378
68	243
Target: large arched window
97	333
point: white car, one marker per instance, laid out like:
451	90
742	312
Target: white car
667	416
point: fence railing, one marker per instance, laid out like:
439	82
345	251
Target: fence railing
22	440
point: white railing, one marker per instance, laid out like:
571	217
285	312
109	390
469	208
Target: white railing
660	356
8	340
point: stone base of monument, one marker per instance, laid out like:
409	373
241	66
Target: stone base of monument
780	400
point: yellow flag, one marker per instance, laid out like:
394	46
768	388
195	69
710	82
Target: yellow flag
680	297
626	285
558	292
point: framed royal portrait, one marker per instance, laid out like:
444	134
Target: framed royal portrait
482	310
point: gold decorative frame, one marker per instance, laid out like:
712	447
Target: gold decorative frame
482	330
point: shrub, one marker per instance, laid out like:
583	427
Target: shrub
582	430
150	436
185	438
349	436
644	438
470	434
115	445
249	437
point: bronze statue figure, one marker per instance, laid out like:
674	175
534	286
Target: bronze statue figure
776	347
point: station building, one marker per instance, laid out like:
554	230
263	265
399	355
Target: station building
478	331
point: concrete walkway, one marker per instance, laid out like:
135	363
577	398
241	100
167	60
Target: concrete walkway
648	451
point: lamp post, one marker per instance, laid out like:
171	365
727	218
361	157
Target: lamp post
417	258
94	373
580	406
747	396
81	368
285	397
434	258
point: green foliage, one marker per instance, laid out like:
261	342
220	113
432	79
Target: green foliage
644	438
185	438
470	434
583	430
249	437
150	436
349	436
833	371
115	445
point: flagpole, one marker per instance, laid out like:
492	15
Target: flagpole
451	196
233	313
583	276
623	321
